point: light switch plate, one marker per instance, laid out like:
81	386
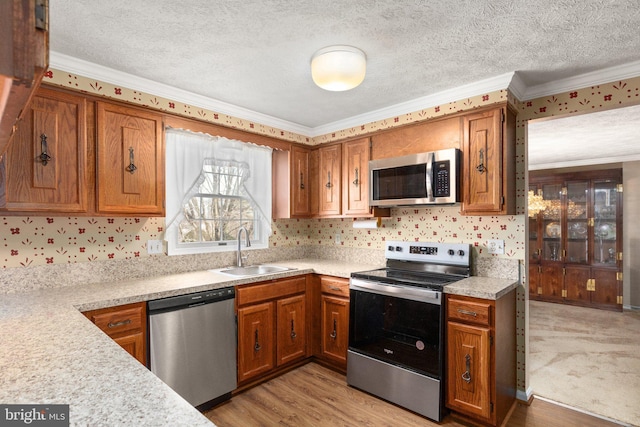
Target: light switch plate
495	246
337	238
155	247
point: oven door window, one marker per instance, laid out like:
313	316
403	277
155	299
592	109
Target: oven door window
398	331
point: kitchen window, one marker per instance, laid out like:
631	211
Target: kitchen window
214	186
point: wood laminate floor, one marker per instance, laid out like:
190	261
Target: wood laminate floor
314	396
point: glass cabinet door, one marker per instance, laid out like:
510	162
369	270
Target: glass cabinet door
605	196
577	247
534	247
552	222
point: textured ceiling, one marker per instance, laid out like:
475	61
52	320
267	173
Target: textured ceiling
256	54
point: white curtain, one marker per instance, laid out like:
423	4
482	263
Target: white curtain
186	153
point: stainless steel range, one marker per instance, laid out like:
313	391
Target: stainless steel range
396	328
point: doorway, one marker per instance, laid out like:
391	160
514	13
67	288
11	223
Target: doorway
577	355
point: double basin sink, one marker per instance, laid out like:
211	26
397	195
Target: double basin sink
252	270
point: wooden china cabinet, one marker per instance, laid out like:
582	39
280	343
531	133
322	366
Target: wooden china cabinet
575	243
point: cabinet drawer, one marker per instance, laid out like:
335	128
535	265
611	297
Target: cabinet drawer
334	286
476	312
116	320
251	294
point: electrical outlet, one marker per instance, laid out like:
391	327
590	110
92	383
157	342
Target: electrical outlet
155	247
495	246
337	239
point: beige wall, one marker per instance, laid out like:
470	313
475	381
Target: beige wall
631	230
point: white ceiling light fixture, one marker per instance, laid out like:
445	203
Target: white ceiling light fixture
338	68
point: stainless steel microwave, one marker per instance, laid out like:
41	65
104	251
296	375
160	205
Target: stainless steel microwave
418	179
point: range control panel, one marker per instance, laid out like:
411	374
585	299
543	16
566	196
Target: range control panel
433	252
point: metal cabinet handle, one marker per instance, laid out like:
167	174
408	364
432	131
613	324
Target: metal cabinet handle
293	332
334	333
257	346
467	312
44	156
132	167
481	167
301	181
466	376
356	181
335	288
328	184
117	324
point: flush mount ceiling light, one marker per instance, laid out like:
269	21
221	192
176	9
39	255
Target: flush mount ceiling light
338	68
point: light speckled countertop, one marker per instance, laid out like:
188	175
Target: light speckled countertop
51	353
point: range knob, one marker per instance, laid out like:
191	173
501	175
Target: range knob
398	248
451	252
461	252
390	248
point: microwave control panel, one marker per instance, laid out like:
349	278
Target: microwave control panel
442	179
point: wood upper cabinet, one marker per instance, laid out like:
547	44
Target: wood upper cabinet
24	49
481	357
488	170
126	325
45	169
130	167
300	182
355	174
330	177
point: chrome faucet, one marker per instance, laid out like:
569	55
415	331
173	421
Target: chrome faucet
240	259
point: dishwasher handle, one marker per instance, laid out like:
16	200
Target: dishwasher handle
190	300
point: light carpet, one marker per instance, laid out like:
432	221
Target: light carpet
586	358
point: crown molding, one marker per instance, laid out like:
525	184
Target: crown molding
82	68
584	162
462	92
594	78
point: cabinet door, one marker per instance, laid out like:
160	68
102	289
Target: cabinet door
606	288
300	183
134	344
551	282
482	163
329	180
291	321
255	340
468	369
355	185
46	164
130	161
534	280
334	329
575	282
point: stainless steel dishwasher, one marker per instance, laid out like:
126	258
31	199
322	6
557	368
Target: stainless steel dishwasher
193	342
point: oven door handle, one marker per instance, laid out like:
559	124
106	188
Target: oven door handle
405	292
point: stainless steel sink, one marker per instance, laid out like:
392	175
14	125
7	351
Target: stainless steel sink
252	270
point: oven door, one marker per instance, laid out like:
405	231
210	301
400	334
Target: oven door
397	324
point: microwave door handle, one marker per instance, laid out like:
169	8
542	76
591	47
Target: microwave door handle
430	177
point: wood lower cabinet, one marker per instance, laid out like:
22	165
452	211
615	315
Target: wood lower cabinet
481	357
46	167
334	321
272	326
126	325
130	166
255	340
